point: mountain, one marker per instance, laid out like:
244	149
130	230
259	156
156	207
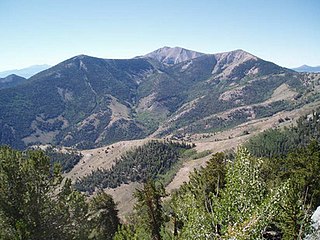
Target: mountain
170	56
11	81
193	95
88	102
83	101
306	68
25	72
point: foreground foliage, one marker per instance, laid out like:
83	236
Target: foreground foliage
234	200
37	203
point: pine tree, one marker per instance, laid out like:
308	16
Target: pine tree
104	216
37	203
149	207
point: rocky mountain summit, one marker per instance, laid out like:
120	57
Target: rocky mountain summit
171	56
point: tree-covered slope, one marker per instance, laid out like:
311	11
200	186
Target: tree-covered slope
233	199
149	161
279	142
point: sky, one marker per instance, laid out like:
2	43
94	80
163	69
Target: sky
286	32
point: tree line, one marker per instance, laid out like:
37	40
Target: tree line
67	160
144	162
279	142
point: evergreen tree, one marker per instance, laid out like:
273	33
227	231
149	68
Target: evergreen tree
25	196
104	216
149	208
37	203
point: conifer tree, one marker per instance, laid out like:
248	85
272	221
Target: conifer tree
149	208
104	216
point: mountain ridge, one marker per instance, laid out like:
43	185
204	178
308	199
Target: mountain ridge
25	72
88	102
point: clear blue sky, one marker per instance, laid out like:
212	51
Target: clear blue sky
286	32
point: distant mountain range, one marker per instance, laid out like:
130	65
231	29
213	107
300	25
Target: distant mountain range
25	72
306	68
88	102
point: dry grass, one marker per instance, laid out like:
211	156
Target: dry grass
123	196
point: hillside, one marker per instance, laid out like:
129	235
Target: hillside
72	103
222	141
88	102
11	81
252	196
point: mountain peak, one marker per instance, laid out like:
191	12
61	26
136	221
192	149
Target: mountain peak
170	56
80	57
307	68
235	55
227	62
13	76
11	80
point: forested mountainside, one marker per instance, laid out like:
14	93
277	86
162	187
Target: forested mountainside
72	103
235	196
239	196
88	102
279	142
66	159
